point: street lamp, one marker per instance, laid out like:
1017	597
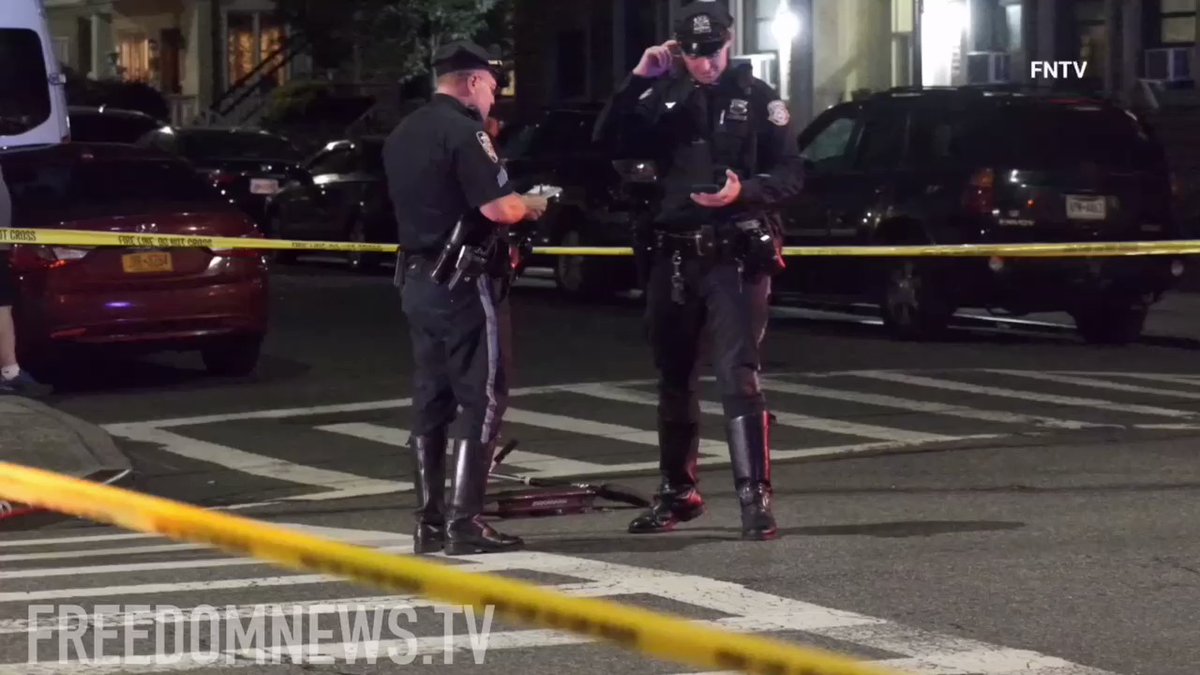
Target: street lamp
785	26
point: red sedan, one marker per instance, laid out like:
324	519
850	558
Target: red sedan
178	299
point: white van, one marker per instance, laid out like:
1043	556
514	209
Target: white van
33	97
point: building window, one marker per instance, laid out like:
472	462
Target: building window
254	39
134	58
1012	28
759	15
1177	21
240	46
1092	30
270	42
758	41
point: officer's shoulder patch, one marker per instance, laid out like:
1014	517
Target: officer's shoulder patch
486	142
777	113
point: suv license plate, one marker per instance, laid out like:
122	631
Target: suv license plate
1086	208
264	186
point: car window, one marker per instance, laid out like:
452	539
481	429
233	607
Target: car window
24	89
100	128
1052	135
940	138
332	162
884	137
39	186
832	146
218	144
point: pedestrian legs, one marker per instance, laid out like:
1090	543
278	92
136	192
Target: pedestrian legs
737	310
675	332
479	359
434	407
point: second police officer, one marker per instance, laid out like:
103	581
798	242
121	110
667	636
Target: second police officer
720	139
453	200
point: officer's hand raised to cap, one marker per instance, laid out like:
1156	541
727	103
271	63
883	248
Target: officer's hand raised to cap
656	61
728	194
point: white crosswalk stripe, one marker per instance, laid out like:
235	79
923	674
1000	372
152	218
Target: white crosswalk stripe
195	599
589	429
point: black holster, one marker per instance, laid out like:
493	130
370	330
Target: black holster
761	243
468	254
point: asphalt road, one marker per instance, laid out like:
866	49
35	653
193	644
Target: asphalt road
1006	501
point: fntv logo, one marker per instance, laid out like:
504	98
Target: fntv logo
1054	70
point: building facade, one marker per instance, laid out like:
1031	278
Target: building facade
193	51
577	51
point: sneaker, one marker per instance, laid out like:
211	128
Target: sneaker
24	385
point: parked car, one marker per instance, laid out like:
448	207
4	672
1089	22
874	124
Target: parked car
973	165
246	165
340	194
102	124
139	299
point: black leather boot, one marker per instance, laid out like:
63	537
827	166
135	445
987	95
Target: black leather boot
429	470
466	533
678	500
750	453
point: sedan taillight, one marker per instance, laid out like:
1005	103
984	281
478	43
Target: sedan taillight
38	258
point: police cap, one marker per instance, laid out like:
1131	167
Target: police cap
703	28
465	55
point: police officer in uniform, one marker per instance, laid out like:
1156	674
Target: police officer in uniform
720	138
454	202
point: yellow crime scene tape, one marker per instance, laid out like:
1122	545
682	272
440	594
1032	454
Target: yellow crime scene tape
51	237
649	633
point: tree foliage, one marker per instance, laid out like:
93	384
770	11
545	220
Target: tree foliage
394	39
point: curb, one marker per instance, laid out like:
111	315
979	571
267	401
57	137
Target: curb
110	465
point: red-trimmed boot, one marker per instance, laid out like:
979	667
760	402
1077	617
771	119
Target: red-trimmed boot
678	500
750	453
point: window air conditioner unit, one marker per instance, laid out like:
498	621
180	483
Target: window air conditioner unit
1168	64
988	67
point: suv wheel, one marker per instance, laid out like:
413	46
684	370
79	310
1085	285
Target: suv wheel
233	357
1111	320
914	306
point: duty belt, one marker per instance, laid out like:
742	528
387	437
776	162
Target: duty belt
697	244
700	244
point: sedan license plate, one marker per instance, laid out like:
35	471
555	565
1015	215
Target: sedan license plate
147	263
1086	208
264	186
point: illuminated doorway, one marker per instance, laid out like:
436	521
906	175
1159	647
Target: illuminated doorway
944	29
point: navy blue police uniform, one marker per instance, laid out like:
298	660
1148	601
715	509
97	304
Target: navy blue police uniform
441	167
707	272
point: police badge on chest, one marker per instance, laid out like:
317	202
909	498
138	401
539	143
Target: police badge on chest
739	110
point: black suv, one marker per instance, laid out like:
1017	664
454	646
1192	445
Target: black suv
597	208
977	165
